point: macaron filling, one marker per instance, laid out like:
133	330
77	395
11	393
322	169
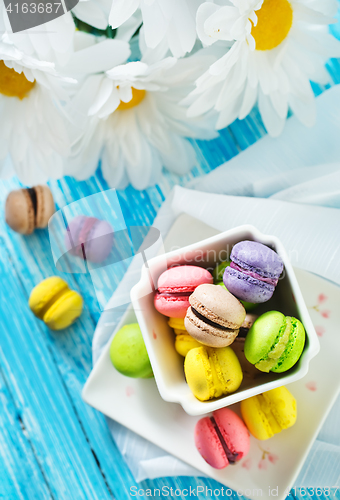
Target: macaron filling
84	233
33	196
247	267
231	456
209	321
176	294
249	272
265	365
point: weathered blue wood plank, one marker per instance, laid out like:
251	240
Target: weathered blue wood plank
20	474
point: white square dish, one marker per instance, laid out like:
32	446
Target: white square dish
167	364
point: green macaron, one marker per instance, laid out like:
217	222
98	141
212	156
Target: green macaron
275	342
128	353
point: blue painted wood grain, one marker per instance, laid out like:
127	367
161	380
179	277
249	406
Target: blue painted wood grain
62	445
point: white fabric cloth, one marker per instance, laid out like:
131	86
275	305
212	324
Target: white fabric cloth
277	186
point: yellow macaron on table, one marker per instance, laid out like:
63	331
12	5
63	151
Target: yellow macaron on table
53	302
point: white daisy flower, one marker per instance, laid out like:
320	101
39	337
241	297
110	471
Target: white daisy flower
135	122
280	46
229	22
33	127
173	20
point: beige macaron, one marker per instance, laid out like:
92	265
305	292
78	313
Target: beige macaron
215	316
30	208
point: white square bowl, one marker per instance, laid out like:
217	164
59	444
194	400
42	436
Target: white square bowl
167	364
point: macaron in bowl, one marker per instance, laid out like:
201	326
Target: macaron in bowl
274	342
253	272
214	316
175	286
212	373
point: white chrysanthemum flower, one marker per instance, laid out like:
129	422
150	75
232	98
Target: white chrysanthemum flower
135	122
33	127
281	45
173	20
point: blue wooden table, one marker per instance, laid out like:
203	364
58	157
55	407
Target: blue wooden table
52	445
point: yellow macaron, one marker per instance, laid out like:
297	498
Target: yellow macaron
53	302
212	372
269	413
177	324
184	343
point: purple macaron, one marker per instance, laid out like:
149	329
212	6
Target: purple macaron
254	272
90	238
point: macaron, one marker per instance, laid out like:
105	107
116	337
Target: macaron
275	342
222	439
128	353
269	413
214	316
211	373
175	286
184	343
53	302
254	271
177	324
29	208
89	238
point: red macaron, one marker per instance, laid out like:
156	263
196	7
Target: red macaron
222	439
175	286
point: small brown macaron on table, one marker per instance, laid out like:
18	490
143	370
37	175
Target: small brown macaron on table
29	208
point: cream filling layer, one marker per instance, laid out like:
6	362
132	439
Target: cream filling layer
265	365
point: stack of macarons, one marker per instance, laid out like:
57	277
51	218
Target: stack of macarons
208	313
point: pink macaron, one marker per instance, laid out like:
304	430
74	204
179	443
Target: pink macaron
175	286
222	439
89	238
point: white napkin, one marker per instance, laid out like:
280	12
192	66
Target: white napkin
302	210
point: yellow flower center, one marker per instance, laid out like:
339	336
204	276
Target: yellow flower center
13	84
137	97
275	19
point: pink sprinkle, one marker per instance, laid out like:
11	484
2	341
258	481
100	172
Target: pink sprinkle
320	330
247	464
262	464
325	314
129	391
322	297
154	334
273	458
311	386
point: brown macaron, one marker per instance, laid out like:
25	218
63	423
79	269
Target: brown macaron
215	316
30	208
